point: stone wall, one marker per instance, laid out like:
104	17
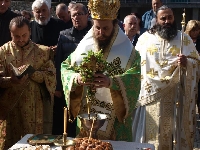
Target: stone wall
21	5
25	5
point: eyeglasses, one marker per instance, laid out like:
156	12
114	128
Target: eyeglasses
77	14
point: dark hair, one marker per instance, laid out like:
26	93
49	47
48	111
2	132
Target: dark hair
19	22
115	21
163	7
77	5
25	12
139	17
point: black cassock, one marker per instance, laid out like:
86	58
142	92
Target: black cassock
48	34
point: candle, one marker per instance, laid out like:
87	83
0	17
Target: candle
89	107
65	120
92	127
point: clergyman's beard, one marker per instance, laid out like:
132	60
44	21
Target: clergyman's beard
167	33
42	22
22	46
102	44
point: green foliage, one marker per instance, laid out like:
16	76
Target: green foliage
92	63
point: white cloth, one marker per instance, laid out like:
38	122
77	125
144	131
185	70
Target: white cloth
117	145
153	120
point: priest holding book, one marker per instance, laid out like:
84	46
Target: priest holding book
27	83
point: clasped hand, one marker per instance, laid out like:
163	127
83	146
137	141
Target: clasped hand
100	80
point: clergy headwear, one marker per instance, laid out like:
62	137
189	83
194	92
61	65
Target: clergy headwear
104	9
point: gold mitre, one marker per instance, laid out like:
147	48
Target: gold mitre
104	9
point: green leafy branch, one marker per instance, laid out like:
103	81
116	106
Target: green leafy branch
92	63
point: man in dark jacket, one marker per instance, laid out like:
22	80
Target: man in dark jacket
63	14
67	43
5	16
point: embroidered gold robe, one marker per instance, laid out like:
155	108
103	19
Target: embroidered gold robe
154	117
117	101
25	108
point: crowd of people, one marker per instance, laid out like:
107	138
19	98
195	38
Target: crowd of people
150	93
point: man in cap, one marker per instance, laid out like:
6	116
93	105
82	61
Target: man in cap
116	92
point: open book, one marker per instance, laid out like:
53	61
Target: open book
28	69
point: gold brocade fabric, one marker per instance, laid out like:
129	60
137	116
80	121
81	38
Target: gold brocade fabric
159	113
28	106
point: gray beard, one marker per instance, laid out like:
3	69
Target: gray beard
42	22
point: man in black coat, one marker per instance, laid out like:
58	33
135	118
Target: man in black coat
67	43
5	16
63	13
45	30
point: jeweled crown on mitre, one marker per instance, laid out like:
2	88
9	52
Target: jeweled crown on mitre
104	9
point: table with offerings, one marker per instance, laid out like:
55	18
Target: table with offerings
117	145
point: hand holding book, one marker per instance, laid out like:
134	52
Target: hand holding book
22	70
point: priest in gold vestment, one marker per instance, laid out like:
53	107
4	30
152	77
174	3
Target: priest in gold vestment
26	103
116	93
165	115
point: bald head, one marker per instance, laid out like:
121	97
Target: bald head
61	6
62	12
156	4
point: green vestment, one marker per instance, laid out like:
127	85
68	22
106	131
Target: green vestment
120	98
